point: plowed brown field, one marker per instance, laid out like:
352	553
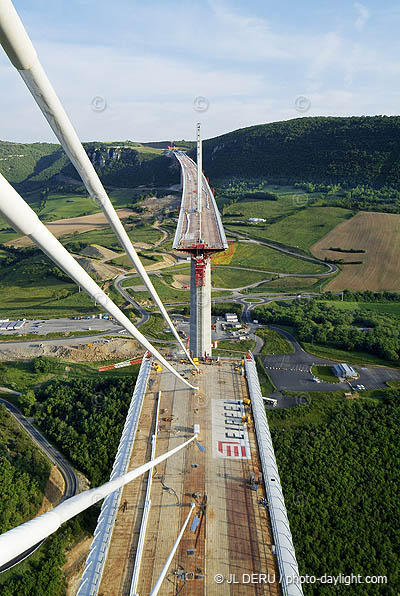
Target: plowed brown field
376	233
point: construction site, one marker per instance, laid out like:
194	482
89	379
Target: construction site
194	504
229	531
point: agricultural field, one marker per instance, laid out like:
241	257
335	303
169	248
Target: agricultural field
261	208
301	229
69	226
378	235
257	256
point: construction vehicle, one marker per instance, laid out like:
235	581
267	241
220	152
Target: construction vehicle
157	367
246	401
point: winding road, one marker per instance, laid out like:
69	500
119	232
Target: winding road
68	473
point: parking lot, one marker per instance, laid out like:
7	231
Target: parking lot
292	372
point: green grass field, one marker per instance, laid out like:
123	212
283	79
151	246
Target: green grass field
125	261
392	308
300	229
324	373
223	277
106	237
256	256
266	384
233	348
162	285
156	328
346	356
274	343
261	208
20	375
288	284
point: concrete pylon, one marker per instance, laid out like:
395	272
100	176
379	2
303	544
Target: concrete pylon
200	308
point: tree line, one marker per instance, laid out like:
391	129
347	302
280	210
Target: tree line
352	330
339	465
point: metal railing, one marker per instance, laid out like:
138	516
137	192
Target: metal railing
284	549
94	567
146	509
178	231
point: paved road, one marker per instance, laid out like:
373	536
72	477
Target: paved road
68	473
291	372
118	286
291	251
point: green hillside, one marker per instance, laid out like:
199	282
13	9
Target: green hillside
124	164
351	150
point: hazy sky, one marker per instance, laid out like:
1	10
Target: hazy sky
147	62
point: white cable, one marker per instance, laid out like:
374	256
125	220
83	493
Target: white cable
163	573
21	52
22	217
19	539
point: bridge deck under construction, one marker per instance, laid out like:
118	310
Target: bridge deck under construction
233	535
193	226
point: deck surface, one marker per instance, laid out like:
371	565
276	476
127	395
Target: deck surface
233	536
197	226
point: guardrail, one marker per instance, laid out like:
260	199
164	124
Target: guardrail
146	509
217	215
284	549
178	231
94	566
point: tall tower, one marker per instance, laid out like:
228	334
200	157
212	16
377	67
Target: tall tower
200	277
199	233
199	168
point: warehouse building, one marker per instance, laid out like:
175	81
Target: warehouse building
344	371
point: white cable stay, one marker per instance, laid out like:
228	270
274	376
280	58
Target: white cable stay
19	539
22	54
22	217
163	573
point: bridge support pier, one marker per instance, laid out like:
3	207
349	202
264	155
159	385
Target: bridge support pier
200	307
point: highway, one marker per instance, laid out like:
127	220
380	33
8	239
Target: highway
68	473
194	227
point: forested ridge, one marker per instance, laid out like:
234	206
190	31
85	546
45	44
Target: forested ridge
348	150
85	418
23	474
358	150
